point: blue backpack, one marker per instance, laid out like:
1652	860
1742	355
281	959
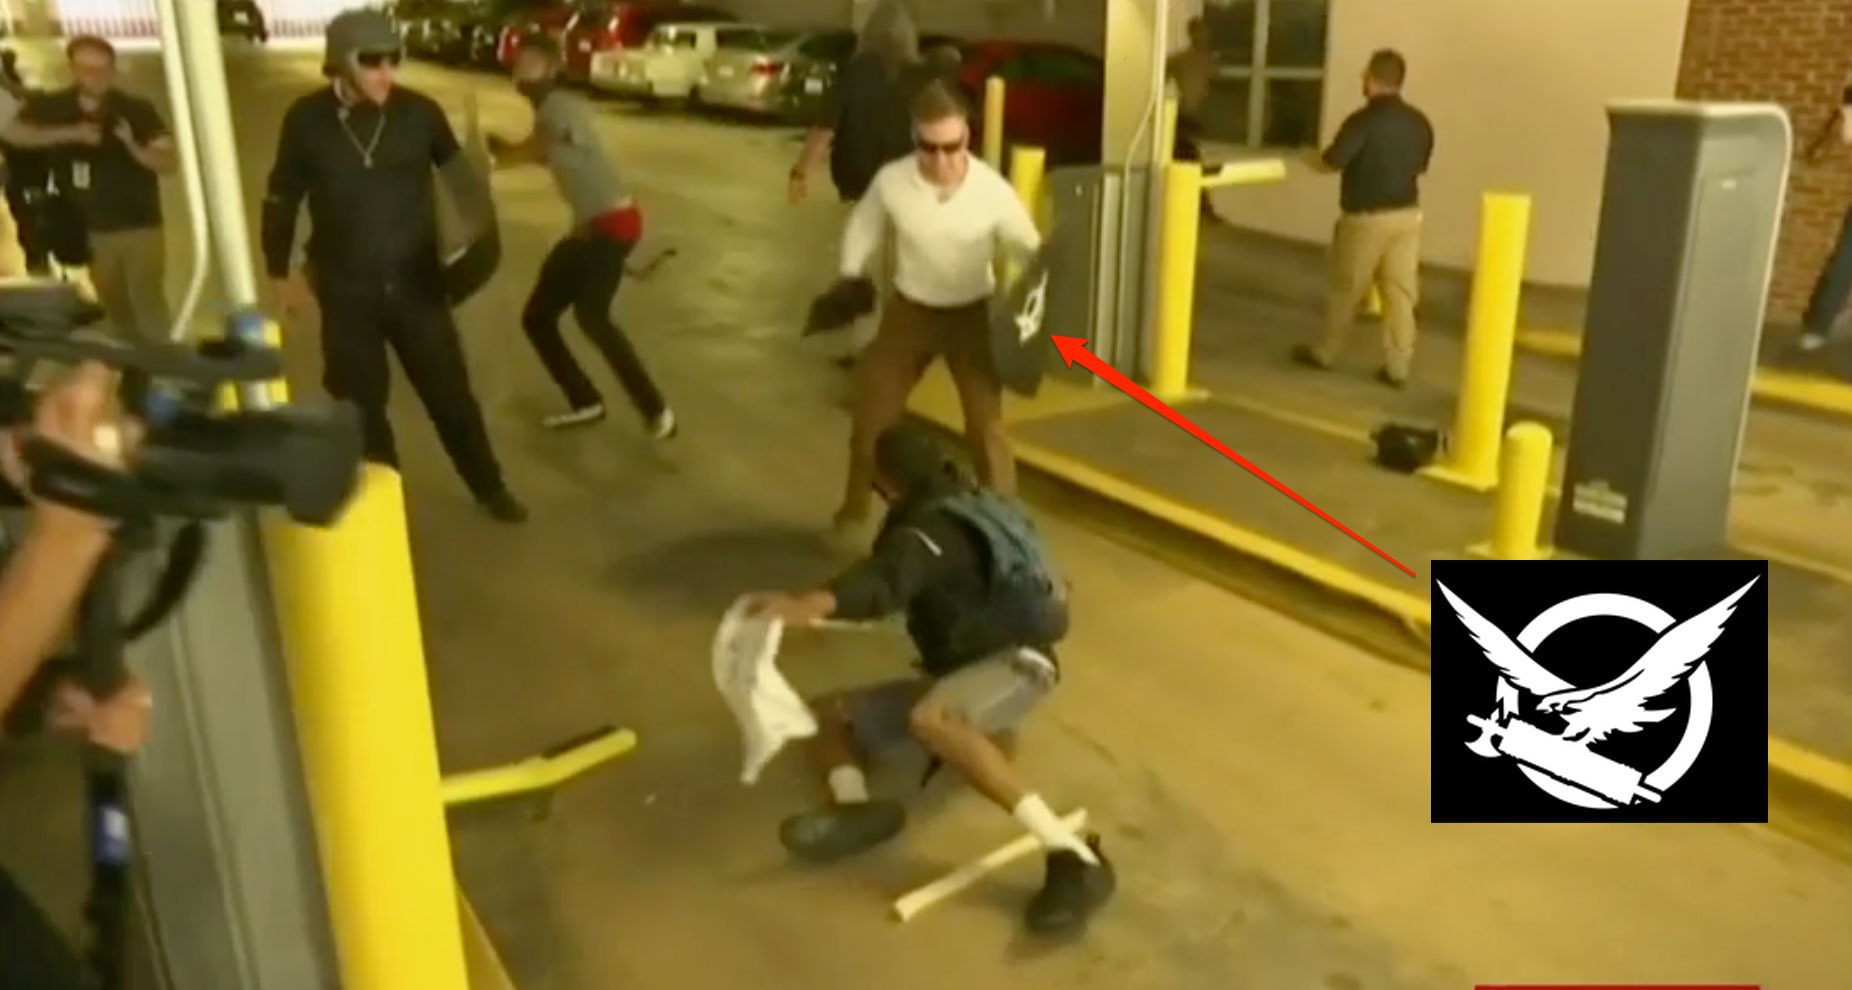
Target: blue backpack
1027	591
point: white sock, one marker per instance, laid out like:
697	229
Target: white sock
1042	822
848	785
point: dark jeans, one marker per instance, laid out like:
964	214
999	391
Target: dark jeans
1833	288
33	953
582	273
360	317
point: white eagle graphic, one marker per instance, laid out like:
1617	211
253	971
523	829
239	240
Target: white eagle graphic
1592	714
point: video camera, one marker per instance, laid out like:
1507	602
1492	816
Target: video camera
196	461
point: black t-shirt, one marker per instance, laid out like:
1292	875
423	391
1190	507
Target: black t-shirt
1383	149
116	192
374	221
871	111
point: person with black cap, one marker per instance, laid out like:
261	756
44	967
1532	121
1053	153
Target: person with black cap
363	153
583	270
985	608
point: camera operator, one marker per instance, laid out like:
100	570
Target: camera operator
40	587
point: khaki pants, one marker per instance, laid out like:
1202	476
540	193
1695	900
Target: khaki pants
129	270
1383	249
910	338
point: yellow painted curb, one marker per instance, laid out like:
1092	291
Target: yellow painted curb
1789	759
1815	392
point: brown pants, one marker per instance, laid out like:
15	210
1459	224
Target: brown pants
910	337
1383	249
129	270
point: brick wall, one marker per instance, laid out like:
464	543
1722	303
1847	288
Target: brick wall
1797	53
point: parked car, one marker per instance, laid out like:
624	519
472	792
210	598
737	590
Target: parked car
744	73
667	65
809	78
614	25
1054	95
549	20
450	33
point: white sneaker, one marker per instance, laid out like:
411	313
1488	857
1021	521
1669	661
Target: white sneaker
1811	341
664	427
575	417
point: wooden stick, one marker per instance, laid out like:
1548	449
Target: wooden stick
919	899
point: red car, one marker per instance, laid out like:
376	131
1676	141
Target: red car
1054	95
608	25
550	20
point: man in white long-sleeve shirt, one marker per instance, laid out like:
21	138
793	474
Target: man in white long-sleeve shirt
949	213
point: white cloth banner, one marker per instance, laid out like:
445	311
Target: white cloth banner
769	711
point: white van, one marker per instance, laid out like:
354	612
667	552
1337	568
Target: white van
667	65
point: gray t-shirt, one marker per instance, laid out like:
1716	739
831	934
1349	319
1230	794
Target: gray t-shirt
581	165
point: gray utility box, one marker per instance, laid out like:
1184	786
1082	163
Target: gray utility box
1096	263
1689	212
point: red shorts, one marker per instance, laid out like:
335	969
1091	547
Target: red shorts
622	224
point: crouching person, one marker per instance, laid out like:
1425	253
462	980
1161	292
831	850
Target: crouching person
985	610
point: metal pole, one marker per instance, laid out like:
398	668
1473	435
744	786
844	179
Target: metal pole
1150	280
173	65
204	64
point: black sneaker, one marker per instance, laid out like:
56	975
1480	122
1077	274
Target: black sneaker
664	426
841	830
503	506
1305	356
1072	892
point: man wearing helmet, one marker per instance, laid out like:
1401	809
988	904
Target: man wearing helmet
362	153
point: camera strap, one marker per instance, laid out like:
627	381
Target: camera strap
74	481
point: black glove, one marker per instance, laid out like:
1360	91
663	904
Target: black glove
845	302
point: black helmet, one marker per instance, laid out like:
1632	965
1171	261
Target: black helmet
360	31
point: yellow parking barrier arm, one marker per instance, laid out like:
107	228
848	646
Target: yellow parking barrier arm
1184	183
1523	484
350	629
1242	173
1491	335
1176	303
993	122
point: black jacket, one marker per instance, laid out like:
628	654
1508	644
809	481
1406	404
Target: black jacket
935	568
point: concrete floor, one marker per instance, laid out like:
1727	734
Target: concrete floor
1263	787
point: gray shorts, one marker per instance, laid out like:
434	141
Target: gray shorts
993	694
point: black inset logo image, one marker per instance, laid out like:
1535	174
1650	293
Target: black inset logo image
1582	691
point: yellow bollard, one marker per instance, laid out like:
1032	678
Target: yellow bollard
993	122
348	620
1517	508
1170	370
1491	334
1027	166
1167	135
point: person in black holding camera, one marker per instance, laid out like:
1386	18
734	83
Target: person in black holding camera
362	152
44	578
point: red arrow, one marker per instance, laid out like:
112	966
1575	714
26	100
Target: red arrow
1075	349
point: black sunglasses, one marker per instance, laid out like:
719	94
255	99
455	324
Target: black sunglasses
373	60
941	147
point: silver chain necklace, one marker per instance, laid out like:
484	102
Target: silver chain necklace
366	150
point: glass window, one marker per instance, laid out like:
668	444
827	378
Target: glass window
1296	33
1231	30
1292	112
1225	111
